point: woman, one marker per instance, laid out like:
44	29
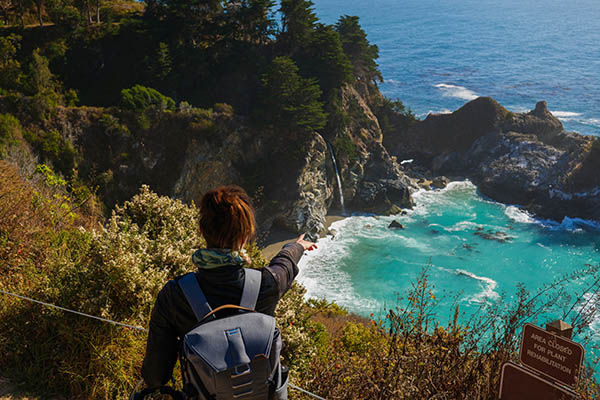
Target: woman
227	223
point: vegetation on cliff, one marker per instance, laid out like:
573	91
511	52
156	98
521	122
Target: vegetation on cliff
78	229
56	248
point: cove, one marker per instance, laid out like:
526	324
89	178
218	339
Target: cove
475	249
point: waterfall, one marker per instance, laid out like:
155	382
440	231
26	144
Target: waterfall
337	175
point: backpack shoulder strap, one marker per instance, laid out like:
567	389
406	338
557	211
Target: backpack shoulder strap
252	282
194	295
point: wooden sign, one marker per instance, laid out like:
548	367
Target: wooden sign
552	355
518	383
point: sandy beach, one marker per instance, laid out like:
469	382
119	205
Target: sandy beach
278	237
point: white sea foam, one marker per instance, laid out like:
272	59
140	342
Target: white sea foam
591	121
517	109
393	82
590	307
427	199
488	292
544	247
569	224
565	114
518	215
459	92
462	226
320	271
578	224
442	111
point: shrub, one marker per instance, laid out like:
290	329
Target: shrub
140	98
410	356
53	148
224	110
345	149
10	68
303	338
10	131
68	18
115	272
393	115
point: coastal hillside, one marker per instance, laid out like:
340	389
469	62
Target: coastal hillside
113	105
116	116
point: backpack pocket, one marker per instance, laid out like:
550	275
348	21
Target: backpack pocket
281	393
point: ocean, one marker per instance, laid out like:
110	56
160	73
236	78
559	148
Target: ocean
435	56
475	250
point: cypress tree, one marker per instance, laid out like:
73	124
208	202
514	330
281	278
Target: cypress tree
290	101
361	53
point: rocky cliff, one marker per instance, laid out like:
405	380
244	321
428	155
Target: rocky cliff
518	158
185	153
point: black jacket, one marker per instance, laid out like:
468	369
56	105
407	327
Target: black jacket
172	317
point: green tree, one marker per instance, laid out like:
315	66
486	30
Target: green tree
10	68
190	22
325	60
161	64
39	78
298	21
361	53
291	101
248	20
63	13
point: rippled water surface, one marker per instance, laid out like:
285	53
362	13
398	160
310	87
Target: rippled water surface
437	54
475	249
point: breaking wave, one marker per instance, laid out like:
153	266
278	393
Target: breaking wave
489	286
565	114
459	92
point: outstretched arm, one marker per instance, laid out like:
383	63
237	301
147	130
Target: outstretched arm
284	266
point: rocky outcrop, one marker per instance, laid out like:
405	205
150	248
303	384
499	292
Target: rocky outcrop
518	158
290	176
395	225
372	180
312	192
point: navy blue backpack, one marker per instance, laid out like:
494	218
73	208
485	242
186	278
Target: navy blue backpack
235	357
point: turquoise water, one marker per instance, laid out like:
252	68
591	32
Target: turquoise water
437	54
475	248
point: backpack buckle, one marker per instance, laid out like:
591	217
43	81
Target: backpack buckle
238	372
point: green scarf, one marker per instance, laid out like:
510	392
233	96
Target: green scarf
214	258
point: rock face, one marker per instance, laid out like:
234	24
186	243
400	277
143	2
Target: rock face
312	192
517	158
372	180
290	176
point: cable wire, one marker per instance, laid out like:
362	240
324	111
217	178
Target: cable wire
139	328
314	396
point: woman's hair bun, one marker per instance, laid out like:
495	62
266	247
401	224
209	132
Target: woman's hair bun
227	217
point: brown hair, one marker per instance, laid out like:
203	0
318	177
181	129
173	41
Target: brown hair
226	217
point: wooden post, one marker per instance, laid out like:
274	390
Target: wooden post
561	328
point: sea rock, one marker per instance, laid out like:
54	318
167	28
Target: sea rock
395	225
526	159
381	196
440	182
